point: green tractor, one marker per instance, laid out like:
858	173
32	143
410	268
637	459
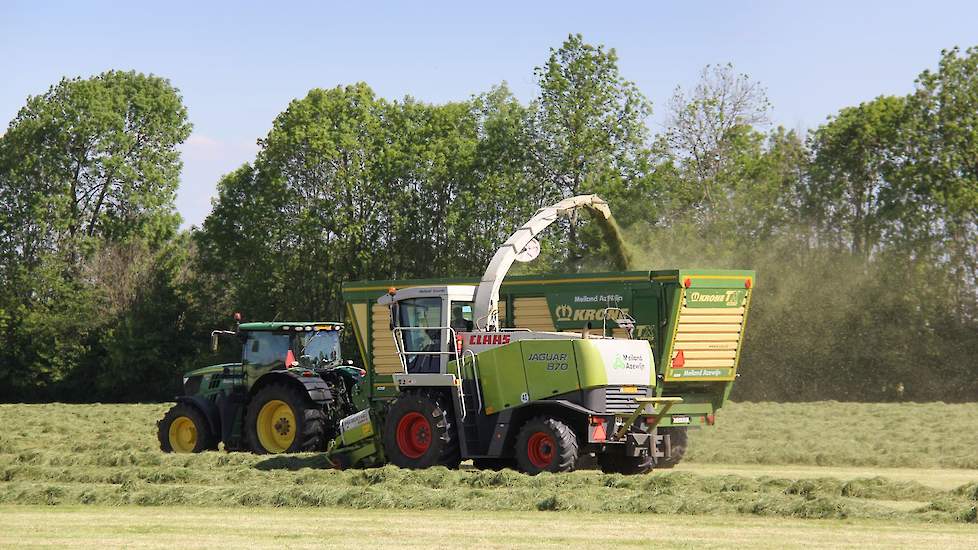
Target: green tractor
287	394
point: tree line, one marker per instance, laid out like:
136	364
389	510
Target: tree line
863	231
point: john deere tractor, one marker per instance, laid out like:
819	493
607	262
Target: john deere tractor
287	394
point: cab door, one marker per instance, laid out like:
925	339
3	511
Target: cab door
423	339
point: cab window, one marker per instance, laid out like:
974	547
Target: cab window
322	347
462	316
421	313
265	348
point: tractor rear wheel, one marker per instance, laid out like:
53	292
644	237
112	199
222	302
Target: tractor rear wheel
183	429
546	445
614	463
282	419
418	432
678	442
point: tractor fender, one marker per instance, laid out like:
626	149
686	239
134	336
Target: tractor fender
206	407
315	387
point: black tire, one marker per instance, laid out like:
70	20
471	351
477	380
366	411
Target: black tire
494	464
307	435
678	441
546	445
616	463
196	439
419	432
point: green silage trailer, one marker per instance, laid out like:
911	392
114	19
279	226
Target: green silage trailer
693	319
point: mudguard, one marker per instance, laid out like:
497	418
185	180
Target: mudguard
206	408
316	387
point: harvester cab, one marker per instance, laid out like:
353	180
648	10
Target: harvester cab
536	400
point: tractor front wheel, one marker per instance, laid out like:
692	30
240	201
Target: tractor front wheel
418	432
282	419
546	445
183	429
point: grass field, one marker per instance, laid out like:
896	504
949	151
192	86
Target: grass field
829	433
854	467
180	527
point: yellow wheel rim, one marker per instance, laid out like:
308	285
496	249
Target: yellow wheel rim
276	426
183	435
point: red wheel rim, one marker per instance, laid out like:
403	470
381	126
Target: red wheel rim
413	434
540	450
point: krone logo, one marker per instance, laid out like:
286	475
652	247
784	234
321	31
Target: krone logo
729	297
564	312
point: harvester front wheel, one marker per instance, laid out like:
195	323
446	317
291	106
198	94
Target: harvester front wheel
418	432
183	429
546	445
282	419
678	442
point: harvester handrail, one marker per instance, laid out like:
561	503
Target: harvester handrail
453	351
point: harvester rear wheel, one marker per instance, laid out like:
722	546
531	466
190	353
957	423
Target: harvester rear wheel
614	463
678	442
418	432
183	429
546	445
282	419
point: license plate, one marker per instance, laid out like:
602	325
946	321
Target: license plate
629	389
680	420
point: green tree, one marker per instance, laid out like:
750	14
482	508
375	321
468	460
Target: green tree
709	128
348	186
590	135
942	166
855	195
90	161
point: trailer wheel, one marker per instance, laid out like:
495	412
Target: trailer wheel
282	419
614	463
183	429
418	432
546	445
494	464
678	442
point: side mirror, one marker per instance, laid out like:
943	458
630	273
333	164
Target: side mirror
214	342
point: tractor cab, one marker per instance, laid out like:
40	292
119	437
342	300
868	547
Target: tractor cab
285	345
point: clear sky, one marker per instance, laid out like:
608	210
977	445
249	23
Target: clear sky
238	64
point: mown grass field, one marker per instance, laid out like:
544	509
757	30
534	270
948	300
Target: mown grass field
772	463
183	527
829	433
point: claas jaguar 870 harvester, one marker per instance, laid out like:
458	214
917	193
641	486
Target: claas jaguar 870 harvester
452	376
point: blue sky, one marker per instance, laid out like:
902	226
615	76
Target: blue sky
238	64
